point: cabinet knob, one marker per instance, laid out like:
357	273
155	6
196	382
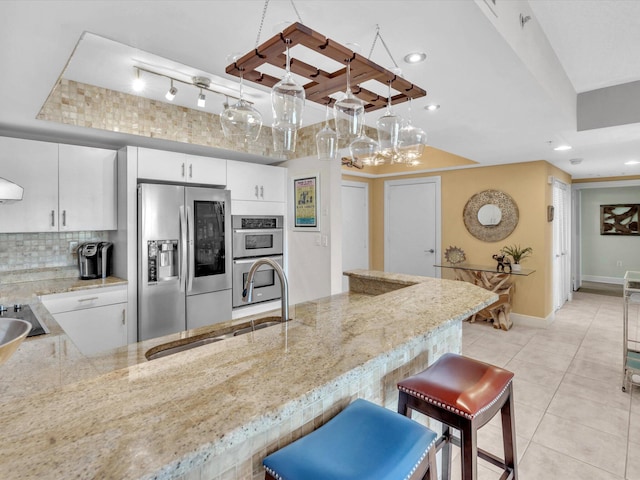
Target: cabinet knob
64	218
262	191
191	171
182	171
257	196
53	218
124	316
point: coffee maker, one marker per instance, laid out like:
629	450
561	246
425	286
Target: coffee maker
94	260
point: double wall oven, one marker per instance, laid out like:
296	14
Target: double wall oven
255	237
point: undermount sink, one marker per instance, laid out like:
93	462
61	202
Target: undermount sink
12	332
211	337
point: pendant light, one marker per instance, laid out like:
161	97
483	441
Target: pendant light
388	127
241	122
349	113
364	151
327	140
287	103
412	142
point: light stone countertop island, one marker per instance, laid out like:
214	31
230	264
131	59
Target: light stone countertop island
214	412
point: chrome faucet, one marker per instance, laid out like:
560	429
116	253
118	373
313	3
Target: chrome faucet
247	293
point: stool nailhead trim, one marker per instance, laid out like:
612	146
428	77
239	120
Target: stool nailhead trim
451	408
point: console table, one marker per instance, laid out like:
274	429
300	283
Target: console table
495	281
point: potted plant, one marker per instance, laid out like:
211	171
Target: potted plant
517	253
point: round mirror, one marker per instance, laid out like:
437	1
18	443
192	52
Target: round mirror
498	222
489	215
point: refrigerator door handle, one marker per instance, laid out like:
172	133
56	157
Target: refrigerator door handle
191	264
182	251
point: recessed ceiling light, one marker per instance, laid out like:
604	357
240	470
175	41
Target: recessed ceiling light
632	162
354	47
415	57
432	107
562	148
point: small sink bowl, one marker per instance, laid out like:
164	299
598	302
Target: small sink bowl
211	337
12	332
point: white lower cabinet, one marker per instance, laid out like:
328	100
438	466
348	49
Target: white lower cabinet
94	319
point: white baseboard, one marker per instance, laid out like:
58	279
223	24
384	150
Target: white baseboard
597	278
533	322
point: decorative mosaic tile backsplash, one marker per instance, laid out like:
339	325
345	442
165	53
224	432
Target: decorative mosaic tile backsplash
24	251
83	105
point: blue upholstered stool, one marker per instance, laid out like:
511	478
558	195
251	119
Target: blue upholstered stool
364	441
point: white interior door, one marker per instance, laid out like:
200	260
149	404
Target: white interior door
355	228
412	226
561	243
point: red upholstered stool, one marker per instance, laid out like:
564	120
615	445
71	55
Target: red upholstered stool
464	394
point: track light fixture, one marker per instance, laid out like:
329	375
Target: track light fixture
202	83
171	94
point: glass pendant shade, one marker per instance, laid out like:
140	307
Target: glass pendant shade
389	126
327	141
287	103
284	139
349	113
364	150
241	122
412	143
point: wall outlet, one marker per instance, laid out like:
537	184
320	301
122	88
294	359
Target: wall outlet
73	246
619	263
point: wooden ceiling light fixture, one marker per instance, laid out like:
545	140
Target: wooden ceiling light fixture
323	84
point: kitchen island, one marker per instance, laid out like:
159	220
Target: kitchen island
215	411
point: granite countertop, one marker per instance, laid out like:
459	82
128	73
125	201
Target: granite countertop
126	417
45	362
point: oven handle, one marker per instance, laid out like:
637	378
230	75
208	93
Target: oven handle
252	260
258	230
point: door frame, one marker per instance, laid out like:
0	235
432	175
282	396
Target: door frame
576	259
436	180
365	187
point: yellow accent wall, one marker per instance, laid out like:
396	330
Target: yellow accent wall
527	183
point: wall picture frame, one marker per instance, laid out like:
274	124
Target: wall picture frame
306	202
620	219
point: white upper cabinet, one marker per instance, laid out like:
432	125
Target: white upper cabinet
66	187
87	186
252	181
33	166
206	170
180	167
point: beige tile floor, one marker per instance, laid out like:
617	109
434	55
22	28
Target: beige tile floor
572	419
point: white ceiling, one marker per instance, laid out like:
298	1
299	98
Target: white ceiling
504	94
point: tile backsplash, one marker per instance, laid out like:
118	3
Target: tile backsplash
24	251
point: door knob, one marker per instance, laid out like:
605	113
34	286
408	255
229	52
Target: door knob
431	250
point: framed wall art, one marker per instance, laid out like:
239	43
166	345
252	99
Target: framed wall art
619	219
306	195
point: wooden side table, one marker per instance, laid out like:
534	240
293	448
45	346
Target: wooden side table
494	281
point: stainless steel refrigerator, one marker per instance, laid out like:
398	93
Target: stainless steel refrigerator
184	258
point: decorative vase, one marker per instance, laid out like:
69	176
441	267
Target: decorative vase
516	267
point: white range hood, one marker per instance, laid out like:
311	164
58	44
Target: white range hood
9	191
